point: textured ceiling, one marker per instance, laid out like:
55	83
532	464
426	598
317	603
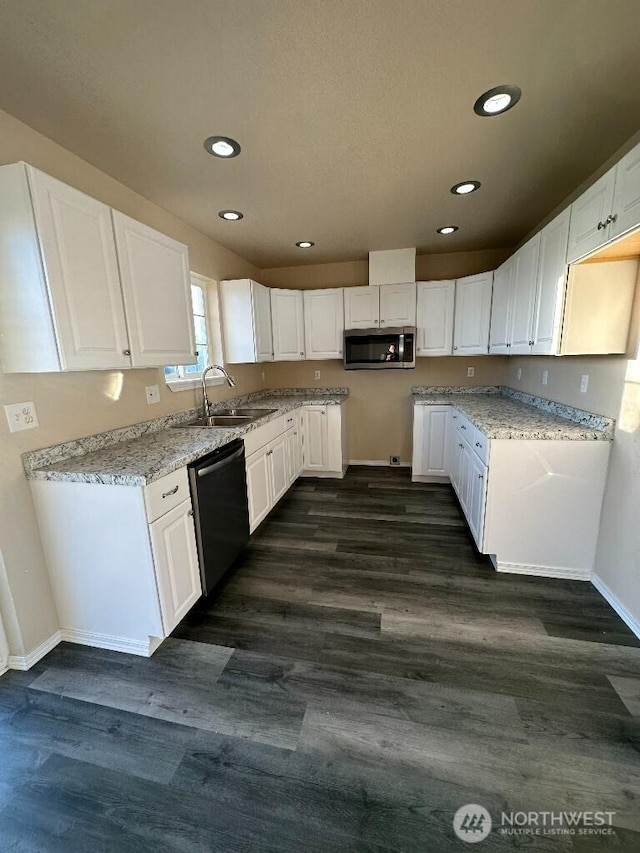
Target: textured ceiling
355	116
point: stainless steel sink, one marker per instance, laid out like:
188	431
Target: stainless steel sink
229	418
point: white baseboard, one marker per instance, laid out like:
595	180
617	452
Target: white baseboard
2	671
143	648
25	662
543	571
379	463
429	478
328	475
617	605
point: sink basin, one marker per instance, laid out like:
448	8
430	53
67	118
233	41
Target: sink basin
229	418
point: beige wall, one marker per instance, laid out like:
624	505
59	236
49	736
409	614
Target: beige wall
379	414
78	404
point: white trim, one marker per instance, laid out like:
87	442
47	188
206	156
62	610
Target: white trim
115	644
543	571
380	463
2	671
427	478
190	384
617	605
320	475
25	662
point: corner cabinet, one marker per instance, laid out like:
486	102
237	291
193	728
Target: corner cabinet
125	592
472	314
434	317
85	287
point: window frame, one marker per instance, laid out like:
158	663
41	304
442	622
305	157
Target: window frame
188	382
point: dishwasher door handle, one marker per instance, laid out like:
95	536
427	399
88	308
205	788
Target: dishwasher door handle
220	463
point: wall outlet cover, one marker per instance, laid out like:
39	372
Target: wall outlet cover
545	377
584	383
394	460
471	371
519	373
21	416
316	374
153	394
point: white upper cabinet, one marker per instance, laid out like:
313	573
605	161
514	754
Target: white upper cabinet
156	286
323	323
626	197
245	307
524	297
398	304
472	314
550	285
590	213
287	318
71	298
362	307
500	332
434	320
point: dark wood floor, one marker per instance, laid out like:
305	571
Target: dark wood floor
362	675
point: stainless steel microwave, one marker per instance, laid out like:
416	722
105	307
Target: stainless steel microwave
379	349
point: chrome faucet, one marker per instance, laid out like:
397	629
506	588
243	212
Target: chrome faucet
206	405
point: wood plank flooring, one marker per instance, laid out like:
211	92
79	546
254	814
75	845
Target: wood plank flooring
361	675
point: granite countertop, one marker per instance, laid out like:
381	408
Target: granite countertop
142	453
504	413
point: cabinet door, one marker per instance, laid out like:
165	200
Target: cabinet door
398	304
499	335
290	448
466	455
259	492
455	453
472	314
434	319
524	297
156	285
550	285
287	319
79	254
323	323
315	438
175	556
626	198
589	214
476	492
431	440
262	327
277	455
362	307
298	431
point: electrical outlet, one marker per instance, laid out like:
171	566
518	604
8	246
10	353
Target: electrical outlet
545	377
519	374
21	416
394	460
471	371
316	374
584	383
153	394
264	376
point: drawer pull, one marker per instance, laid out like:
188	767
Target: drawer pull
460	445
481	476
462	426
171	492
191	513
478	445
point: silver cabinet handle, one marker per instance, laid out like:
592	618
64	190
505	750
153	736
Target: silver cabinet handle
531	343
508	345
172	492
191	513
478	445
481	476
126	352
301	353
601	225
611	218
460	445
462	426
455	347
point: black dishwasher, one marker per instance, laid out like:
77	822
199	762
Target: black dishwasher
221	512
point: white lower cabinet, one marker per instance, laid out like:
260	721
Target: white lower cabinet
324	441
267	479
122	560
430	442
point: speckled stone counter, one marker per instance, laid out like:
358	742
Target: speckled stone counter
142	453
501	412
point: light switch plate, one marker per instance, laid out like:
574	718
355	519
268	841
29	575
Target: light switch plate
153	394
21	416
471	371
519	373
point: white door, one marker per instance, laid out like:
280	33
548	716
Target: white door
298	431
259	493
290	447
315	438
431	440
277	454
550	285
79	254
434	317
499	335
362	307
261	305
472	314
287	318
323	323
626	198
589	226
476	491
398	304
175	556
524	297
156	284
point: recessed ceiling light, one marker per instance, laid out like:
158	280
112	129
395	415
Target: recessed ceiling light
497	100
305	244
230	215
447	229
465	187
222	146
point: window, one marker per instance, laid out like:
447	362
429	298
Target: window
204	300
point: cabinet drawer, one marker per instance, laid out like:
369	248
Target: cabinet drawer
465	427
165	493
257	438
481	446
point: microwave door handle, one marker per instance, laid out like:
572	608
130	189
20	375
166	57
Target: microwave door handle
401	348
